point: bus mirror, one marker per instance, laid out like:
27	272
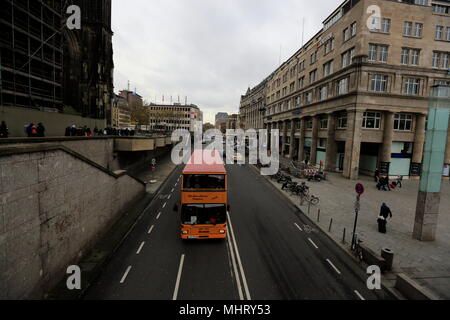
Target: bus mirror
175	208
228	208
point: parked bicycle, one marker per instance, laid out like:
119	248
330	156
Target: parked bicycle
357	249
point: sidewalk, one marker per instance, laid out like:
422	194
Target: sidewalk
428	263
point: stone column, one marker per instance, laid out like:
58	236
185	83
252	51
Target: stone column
291	147
283	145
419	142
301	145
386	149
353	144
330	162
314	142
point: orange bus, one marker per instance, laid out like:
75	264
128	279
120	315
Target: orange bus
204	202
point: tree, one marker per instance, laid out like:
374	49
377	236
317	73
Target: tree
208	126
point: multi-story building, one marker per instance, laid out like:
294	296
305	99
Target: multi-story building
133	99
176	116
45	66
221	121
232	122
355	97
121	113
253	107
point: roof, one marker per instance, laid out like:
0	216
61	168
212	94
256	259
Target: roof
205	161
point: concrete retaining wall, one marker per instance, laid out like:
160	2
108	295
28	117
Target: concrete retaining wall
54	204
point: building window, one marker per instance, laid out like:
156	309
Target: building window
329	46
342	121
343	86
378	52
421	2
407	28
440	8
328	68
346	34
347	57
353	29
418	27
439	32
386	25
323	93
441	59
378	82
301	82
323	123
415	56
403	121
292	87
411	86
314	57
308	97
309	124
298	101
371	120
410	56
312	76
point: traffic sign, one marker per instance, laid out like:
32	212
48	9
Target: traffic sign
359	188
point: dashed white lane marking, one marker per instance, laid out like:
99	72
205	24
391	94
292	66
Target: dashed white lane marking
298	227
158	216
172	190
164	205
359	295
177	284
312	242
168	198
150	230
333	266
125	275
140	247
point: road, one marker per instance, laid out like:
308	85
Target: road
271	254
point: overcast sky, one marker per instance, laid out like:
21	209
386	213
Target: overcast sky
208	50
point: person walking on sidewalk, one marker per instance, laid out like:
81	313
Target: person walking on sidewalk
3	130
385	213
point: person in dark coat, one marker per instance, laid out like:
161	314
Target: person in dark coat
385	213
377	175
29	130
3	130
40	130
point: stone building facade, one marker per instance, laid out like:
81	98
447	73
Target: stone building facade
252	108
355	97
121	113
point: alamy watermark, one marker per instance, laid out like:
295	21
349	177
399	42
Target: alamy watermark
74	20
236	148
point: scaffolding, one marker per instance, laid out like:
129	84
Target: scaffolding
31	54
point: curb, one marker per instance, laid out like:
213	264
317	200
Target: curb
94	262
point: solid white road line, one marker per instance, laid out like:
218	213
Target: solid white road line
125	275
140	248
359	295
164	205
159	215
244	280
312	242
233	261
298	227
177	284
151	229
333	266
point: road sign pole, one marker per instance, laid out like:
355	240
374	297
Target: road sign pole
356	221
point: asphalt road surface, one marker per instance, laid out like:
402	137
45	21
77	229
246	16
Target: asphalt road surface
271	253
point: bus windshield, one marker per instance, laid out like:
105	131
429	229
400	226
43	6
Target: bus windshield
204	181
194	214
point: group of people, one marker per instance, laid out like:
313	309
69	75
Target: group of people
74	131
384	184
4	130
35	131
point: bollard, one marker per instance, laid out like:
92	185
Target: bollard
343	237
388	256
318	215
331	223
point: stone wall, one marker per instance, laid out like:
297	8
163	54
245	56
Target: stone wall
54	204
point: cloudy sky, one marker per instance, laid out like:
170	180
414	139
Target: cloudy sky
208	50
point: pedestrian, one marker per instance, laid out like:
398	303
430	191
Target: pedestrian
29	129
385	213
3	130
40	130
377	175
34	132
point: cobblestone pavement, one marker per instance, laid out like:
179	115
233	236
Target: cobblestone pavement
428	263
